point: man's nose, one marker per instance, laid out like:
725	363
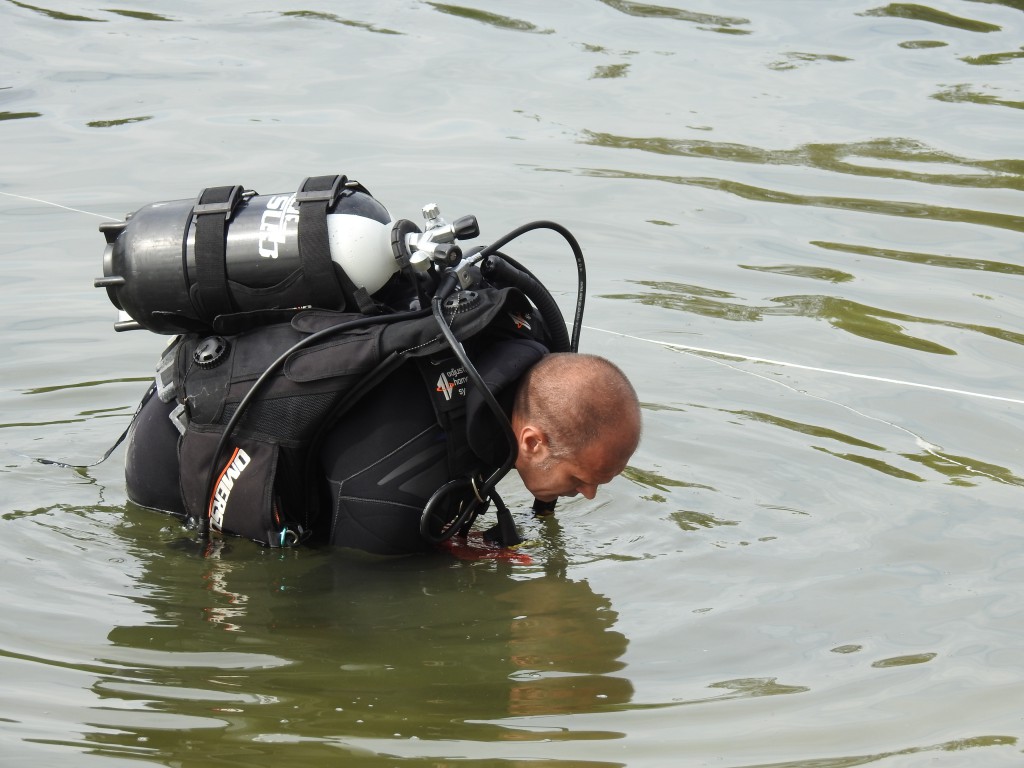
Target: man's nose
588	491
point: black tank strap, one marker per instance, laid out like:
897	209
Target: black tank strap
213	210
328	284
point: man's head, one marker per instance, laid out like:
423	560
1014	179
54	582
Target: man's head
577	422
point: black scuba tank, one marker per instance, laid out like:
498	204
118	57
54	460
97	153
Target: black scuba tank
174	266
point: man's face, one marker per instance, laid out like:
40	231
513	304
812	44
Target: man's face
547	478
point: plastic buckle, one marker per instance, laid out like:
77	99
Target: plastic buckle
226	207
179	418
320	195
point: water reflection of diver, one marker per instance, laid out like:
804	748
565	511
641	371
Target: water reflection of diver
378	427
420	645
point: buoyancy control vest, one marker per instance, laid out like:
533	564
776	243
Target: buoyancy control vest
264	483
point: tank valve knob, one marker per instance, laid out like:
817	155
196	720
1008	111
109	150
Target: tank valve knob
432	214
211	352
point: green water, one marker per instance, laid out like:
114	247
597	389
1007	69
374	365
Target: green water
802	221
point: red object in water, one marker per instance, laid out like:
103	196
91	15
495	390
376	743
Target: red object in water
473	547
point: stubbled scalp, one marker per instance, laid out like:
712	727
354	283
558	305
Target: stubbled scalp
579	399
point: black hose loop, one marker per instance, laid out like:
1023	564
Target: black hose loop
581	267
499	268
463	518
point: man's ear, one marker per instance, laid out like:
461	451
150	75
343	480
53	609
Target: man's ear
533	443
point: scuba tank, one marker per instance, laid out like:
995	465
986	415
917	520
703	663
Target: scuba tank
175	266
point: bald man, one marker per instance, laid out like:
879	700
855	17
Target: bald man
575	420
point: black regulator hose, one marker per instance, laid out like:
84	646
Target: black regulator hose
537	286
486	489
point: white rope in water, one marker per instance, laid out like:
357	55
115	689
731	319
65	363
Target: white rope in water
56	205
783	363
924	445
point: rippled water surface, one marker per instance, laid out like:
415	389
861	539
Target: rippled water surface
802	222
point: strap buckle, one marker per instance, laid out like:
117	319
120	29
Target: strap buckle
227	207
321	195
179	418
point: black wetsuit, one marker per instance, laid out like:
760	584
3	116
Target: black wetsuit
385	457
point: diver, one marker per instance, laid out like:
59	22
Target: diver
340	377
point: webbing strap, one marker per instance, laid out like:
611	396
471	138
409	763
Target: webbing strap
145	398
329	287
213	210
